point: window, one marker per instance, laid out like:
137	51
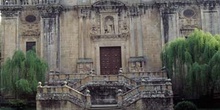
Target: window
30	18
30	46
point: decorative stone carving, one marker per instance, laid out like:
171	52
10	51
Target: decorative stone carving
60	96
188	20
31	33
109	26
84	65
124	28
137	64
110	37
84	13
30	23
49	11
9	13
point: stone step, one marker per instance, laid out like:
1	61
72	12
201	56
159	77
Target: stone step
105	107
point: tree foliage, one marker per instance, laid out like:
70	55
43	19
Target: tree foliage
193	63
21	73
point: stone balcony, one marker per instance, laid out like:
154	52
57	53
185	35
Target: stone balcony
28	2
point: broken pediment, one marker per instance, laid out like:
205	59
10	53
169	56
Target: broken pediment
109	3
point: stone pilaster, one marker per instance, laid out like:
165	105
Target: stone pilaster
170	23
10	31
50	35
210	18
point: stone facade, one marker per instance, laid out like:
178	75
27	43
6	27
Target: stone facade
71	34
67	33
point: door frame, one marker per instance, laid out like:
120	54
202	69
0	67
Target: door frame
118	51
124	53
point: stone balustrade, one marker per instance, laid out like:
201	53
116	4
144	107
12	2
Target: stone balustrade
84	100
61	93
148	91
56	77
105	80
28	2
150	75
63	77
128	79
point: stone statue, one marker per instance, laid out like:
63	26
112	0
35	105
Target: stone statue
109	26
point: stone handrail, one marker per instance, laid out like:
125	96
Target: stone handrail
61	93
59	78
28	2
105	79
151	75
147	91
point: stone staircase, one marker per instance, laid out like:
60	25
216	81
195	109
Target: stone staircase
128	88
105	107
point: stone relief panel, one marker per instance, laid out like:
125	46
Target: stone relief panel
137	64
109	25
189	19
95	24
30	23
84	65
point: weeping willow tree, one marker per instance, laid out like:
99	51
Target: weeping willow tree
21	73
193	64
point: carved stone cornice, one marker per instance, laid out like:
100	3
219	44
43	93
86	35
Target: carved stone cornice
10	11
84	12
122	36
31	33
49	11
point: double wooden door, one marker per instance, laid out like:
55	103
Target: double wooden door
110	60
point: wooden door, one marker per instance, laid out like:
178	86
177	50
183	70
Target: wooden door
110	60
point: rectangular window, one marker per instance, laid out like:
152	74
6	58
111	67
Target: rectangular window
30	45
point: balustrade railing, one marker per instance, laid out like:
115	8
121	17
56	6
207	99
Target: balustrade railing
61	93
103	79
65	77
148	91
150	75
28	2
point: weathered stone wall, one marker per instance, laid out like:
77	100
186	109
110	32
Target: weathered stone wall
9	39
69	35
152	39
69	41
151	104
57	105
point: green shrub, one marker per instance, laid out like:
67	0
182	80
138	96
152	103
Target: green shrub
185	105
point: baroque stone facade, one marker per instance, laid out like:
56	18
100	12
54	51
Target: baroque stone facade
79	38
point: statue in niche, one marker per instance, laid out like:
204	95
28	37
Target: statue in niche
109	25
